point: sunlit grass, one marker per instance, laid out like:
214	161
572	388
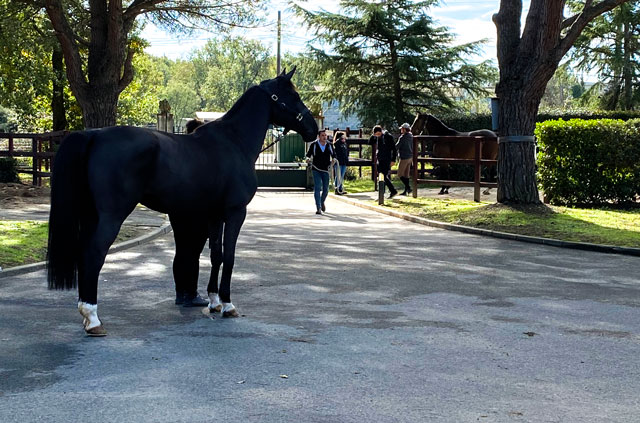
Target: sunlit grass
600	226
22	242
25	242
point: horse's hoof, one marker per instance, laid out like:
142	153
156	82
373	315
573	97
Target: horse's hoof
216	309
231	313
97	331
229	310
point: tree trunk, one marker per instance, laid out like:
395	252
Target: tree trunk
627	70
57	99
527	59
99	110
516	149
108	69
397	91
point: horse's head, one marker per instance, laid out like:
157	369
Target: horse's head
434	126
287	109
418	125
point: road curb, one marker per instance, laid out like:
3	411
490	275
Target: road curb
28	268
610	249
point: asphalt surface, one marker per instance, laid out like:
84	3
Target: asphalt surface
348	317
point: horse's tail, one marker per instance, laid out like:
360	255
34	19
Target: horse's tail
69	196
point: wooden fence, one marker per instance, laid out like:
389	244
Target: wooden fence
420	157
38	147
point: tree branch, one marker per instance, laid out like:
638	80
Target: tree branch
579	21
67	40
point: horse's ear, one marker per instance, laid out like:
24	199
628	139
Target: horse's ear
290	74
284	72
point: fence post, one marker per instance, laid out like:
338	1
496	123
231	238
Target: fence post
415	167
477	169
34	162
10	146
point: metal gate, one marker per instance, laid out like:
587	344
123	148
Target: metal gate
282	162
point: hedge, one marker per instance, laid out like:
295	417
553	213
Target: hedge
589	162
8	170
465	122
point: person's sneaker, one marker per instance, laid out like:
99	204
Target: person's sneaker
179	298
338	192
194	300
393	194
323	208
404	192
318	211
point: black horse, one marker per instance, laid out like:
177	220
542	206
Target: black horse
204	180
426	124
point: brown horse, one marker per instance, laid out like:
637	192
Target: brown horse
426	124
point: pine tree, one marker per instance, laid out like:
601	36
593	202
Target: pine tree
385	60
609	45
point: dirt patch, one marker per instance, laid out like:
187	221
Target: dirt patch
15	195
533	209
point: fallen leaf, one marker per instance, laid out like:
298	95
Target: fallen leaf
530	333
284	376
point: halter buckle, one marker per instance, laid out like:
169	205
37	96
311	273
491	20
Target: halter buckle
274	97
299	117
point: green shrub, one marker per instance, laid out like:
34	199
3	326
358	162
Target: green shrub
465	122
8	170
589	162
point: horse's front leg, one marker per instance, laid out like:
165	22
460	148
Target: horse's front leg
215	245
232	225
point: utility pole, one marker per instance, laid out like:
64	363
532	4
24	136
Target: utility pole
278	56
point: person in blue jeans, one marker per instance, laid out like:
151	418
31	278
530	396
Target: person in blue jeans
342	154
320	155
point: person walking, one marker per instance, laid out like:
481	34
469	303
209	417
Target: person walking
386	155
320	155
405	153
342	154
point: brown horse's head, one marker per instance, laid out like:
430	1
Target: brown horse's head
419	123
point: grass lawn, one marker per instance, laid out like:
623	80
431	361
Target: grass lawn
26	242
598	226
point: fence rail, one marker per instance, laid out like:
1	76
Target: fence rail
38	147
421	151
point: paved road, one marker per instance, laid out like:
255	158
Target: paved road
371	319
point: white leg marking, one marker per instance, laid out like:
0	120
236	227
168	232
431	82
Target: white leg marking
90	314
214	302
226	307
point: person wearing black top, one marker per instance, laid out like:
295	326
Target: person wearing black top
405	151
386	155
342	154
320	155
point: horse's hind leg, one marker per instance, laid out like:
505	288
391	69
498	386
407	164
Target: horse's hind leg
190	237
232	225
96	236
215	245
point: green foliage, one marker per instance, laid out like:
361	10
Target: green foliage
609	45
589	162
8	120
465	122
224	69
138	103
8	170
383	61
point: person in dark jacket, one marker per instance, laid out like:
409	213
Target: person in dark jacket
342	154
387	153
405	151
320	155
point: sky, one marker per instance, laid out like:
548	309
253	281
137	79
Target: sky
469	20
